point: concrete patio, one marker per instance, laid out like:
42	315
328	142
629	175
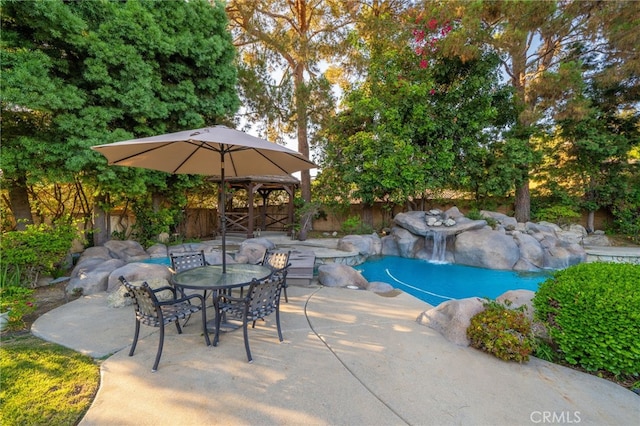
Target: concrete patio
349	358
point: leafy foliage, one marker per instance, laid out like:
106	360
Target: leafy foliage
79	74
503	332
17	300
592	312
38	249
561	215
354	225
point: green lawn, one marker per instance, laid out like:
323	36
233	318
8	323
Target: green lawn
44	383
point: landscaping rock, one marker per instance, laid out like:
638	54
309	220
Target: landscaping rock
250	252
137	272
408	243
338	275
389	246
380	287
486	248
92	278
158	250
119	298
414	222
518	298
129	251
452	318
366	245
531	251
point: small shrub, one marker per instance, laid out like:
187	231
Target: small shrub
18	301
560	215
476	215
354	225
592	313
503	332
38	249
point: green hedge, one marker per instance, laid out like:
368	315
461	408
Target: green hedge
592	312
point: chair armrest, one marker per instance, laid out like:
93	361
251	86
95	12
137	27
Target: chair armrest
172	289
228	298
183	299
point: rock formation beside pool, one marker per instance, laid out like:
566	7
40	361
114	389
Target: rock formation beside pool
451	237
453	317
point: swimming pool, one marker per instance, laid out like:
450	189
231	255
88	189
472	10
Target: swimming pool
158	261
435	283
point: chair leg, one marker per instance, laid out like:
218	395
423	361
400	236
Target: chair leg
204	327
218	321
135	338
278	322
284	288
246	338
159	354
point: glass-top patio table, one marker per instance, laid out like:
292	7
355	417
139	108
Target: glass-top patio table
210	277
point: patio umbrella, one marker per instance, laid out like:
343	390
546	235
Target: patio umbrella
209	151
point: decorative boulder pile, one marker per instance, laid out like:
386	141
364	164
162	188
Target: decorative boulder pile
451	237
99	268
453	317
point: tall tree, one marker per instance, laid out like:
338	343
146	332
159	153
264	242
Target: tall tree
290	40
78	74
535	40
398	134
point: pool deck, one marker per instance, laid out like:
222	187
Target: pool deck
349	358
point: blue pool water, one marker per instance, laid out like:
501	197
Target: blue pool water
158	261
435	283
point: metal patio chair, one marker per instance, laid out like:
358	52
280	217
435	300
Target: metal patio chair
278	261
151	312
261	300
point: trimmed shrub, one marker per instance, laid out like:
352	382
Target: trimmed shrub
592	313
503	332
36	250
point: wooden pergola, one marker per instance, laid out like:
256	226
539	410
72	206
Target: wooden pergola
251	221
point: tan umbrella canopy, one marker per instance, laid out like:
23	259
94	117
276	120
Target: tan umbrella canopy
209	151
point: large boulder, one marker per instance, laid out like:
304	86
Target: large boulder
250	252
380	287
158	250
509	223
92	278
128	250
338	275
367	245
515	299
408	243
137	272
120	297
452	318
389	246
486	248
531	252
99	252
413	221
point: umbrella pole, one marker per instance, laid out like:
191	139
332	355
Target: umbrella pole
223	201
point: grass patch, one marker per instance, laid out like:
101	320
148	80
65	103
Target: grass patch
44	383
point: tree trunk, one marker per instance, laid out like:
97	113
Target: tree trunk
101	224
302	121
523	202
590	221
19	198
